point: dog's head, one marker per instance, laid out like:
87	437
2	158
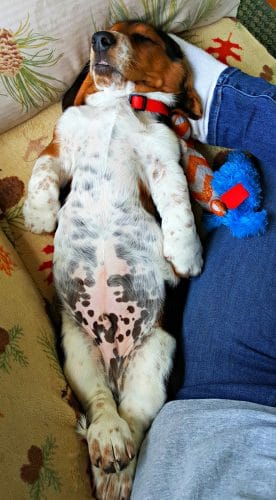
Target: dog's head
136	52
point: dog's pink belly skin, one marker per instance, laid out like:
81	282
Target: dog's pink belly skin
107	318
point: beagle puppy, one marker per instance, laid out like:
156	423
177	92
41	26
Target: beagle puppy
112	258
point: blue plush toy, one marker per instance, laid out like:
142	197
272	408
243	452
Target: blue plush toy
231	195
237	185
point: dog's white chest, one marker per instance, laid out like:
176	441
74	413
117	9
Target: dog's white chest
110	280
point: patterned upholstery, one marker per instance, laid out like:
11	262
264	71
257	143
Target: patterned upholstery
41	454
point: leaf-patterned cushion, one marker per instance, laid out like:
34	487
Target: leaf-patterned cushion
44	45
41	455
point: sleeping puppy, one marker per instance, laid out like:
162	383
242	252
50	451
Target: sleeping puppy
111	257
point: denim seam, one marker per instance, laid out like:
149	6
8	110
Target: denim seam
267	96
215	118
217	97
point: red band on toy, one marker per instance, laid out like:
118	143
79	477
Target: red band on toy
235	196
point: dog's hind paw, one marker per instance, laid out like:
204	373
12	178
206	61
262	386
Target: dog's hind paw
113	486
110	444
185	255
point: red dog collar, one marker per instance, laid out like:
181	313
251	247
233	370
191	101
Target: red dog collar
143	103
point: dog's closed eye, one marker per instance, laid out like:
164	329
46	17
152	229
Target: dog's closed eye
139	38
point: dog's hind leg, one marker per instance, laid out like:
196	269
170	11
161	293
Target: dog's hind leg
109	438
141	397
144	389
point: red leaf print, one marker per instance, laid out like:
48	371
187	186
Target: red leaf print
48	264
48	249
225	49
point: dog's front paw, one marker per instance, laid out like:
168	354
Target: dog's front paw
40	219
113	486
110	444
184	252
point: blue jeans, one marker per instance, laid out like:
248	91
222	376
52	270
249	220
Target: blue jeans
229	323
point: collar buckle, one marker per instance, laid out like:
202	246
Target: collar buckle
138	102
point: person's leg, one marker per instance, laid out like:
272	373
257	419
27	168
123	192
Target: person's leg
243	115
232	116
210	450
229	322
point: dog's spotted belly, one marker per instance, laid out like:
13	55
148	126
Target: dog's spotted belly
115	303
109	315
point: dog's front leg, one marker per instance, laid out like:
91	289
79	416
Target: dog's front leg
109	438
42	203
169	191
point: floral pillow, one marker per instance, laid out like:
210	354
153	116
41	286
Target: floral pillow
45	44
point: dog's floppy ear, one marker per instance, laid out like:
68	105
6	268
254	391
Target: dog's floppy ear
81	87
189	100
87	87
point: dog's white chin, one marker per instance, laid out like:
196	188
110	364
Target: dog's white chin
109	93
112	80
113	88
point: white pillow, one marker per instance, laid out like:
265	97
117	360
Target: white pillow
45	43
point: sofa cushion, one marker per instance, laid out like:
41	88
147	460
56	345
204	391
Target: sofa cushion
19	149
41	454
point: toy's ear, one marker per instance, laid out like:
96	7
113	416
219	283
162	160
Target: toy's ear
87	87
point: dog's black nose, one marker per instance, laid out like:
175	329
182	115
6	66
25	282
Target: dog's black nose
102	40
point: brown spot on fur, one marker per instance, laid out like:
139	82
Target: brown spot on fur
53	148
87	88
177	198
45	183
95	453
159	171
